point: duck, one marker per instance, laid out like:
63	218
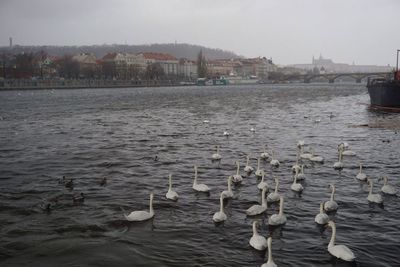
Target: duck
264	155
387	188
262	184
62	180
257	241
248	169
171	194
297	187
226	133
69	184
78	198
361	176
375	198
258	209
301	176
141	215
339	164
259	171
270	262
237	178
103	181
228	193
274	196
220	216
331	204
317	159
199	187
274	162
339	251
280	218
321	218
216	155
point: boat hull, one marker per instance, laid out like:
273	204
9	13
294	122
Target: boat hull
385	94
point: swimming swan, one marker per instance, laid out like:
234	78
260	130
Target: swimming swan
237	178
296	186
199	187
339	251
265	154
141	215
171	194
228	193
280	218
274	196
331	205
257	241
375	198
274	162
248	168
317	159
270	262
361	176
216	156
258	209
263	184
321	218
339	165
301	175
258	172
387	188
220	216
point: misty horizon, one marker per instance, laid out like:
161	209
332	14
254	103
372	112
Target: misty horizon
289	32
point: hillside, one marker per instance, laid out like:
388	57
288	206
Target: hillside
178	50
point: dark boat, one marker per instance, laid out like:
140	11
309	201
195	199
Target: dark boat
385	93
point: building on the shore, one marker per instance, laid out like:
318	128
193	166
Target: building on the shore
88	64
168	62
187	69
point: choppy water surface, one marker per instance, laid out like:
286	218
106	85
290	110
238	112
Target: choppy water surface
116	133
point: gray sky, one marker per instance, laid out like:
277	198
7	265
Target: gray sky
289	31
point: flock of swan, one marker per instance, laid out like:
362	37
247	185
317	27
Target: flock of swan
268	196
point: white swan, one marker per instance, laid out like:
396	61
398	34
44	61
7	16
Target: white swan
301	175
270	262
305	155
339	164
317	159
258	172
339	251
375	198
237	178
228	193
216	156
171	194
274	162
387	188
296	186
248	168
263	184
321	218
265	154
331	204
220	216
274	196
361	176
141	215
280	218
258	209
199	187
296	166
257	241
226	133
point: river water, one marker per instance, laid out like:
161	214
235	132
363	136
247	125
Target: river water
117	133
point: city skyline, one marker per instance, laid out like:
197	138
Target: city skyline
289	32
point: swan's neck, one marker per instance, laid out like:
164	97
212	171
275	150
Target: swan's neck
302	169
229	184
333	237
371	184
263	201
221	202
237	168
258	164
151	204
333	193
170	182
195	176
247	161
270	260
295	179
217	149
262	177
385	180
281	207
255	229
276	186
340	155
360	167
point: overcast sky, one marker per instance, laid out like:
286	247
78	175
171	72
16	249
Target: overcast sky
289	31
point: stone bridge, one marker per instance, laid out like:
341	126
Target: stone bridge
331	77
